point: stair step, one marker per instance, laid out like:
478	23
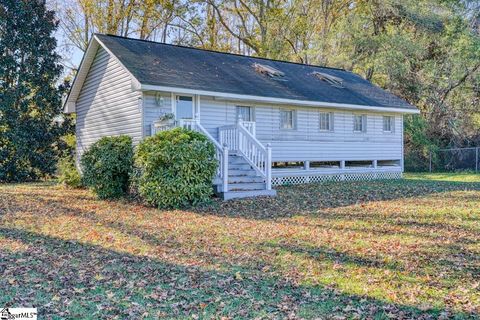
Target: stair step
237	161
244	179
241	166
241	172
248	194
246	186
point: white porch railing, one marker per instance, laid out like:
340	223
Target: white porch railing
238	138
229	135
190	124
250	126
221	151
156	127
184	123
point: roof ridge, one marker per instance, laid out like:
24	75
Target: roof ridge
221	52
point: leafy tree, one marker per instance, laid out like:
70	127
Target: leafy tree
146	19
425	51
30	102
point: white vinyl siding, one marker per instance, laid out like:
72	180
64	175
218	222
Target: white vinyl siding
107	105
326	121
287	119
155	105
307	141
388	124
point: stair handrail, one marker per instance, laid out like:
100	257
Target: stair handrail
261	160
221	152
250	126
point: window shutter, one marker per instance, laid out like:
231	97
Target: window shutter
364	123
332	120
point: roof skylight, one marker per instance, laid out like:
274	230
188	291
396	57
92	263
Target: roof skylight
269	71
332	80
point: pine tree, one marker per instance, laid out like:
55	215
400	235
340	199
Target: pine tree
30	100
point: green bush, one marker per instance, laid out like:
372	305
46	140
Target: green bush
107	165
67	171
68	174
176	168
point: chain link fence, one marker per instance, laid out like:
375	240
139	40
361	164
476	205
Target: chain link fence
443	160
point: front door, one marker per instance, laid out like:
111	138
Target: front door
184	107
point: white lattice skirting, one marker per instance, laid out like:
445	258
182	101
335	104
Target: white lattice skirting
337	177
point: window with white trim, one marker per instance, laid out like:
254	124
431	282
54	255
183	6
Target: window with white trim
388	124
287	119
245	113
326	121
360	123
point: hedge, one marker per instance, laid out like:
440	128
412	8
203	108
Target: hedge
176	168
107	166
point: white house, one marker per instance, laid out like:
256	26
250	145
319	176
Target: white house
272	122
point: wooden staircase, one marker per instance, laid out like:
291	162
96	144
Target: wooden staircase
243	180
244	164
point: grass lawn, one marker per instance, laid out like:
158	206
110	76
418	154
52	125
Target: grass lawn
377	250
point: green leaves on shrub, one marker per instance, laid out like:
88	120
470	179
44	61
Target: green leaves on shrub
176	168
68	174
106	166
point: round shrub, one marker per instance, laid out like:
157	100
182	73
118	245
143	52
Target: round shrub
106	166
176	168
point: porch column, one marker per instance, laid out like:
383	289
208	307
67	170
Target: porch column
197	109
268	165
306	165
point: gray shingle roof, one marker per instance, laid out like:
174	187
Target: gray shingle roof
160	64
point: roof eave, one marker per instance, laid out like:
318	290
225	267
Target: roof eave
264	99
69	105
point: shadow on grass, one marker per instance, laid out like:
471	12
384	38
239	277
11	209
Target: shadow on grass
67	279
330	254
454	256
312	198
